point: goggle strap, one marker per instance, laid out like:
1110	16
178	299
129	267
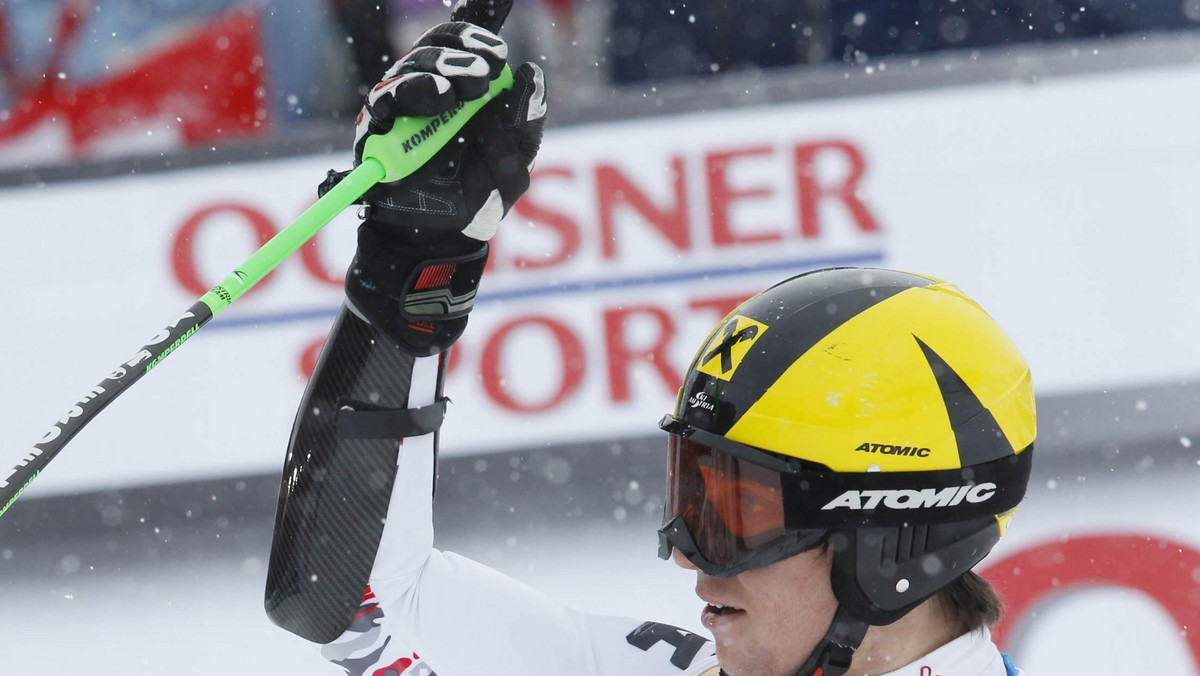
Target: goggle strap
833	500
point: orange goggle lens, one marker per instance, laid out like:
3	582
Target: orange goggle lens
730	506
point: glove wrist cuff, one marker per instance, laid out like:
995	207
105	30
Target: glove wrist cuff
419	293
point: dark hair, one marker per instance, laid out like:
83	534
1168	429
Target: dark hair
970	602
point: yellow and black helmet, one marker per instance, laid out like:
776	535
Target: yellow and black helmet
882	412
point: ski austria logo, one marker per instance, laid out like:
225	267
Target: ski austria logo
913	499
700	400
724	352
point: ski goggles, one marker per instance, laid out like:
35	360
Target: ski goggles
726	508
732	507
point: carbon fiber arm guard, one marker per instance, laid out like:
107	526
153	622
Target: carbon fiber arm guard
407	297
338	477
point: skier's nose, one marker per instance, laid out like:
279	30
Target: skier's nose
681	560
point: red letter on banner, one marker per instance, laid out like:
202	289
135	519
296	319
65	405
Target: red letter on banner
612	189
570	352
721	196
309	356
310	256
183	253
621	355
566	228
809	193
1163	570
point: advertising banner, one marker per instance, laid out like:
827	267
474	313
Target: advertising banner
1064	208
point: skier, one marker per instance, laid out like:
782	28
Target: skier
846	446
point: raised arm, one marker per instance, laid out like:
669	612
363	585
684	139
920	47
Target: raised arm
355	507
421	251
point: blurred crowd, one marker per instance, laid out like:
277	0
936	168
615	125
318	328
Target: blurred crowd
282	61
628	41
600	42
654	39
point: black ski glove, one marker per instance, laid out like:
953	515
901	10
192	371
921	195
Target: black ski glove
437	220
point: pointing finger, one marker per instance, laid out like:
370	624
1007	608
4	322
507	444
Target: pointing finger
489	14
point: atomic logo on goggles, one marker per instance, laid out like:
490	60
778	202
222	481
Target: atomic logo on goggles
913	499
724	352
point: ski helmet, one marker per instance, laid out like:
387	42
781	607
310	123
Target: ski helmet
882	412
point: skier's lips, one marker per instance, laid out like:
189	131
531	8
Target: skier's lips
718	614
717	618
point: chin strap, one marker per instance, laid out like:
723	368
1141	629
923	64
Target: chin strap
832	655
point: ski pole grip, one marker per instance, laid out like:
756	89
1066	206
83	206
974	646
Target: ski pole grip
414	140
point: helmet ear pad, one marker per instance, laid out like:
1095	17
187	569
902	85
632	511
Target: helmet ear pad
881	573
